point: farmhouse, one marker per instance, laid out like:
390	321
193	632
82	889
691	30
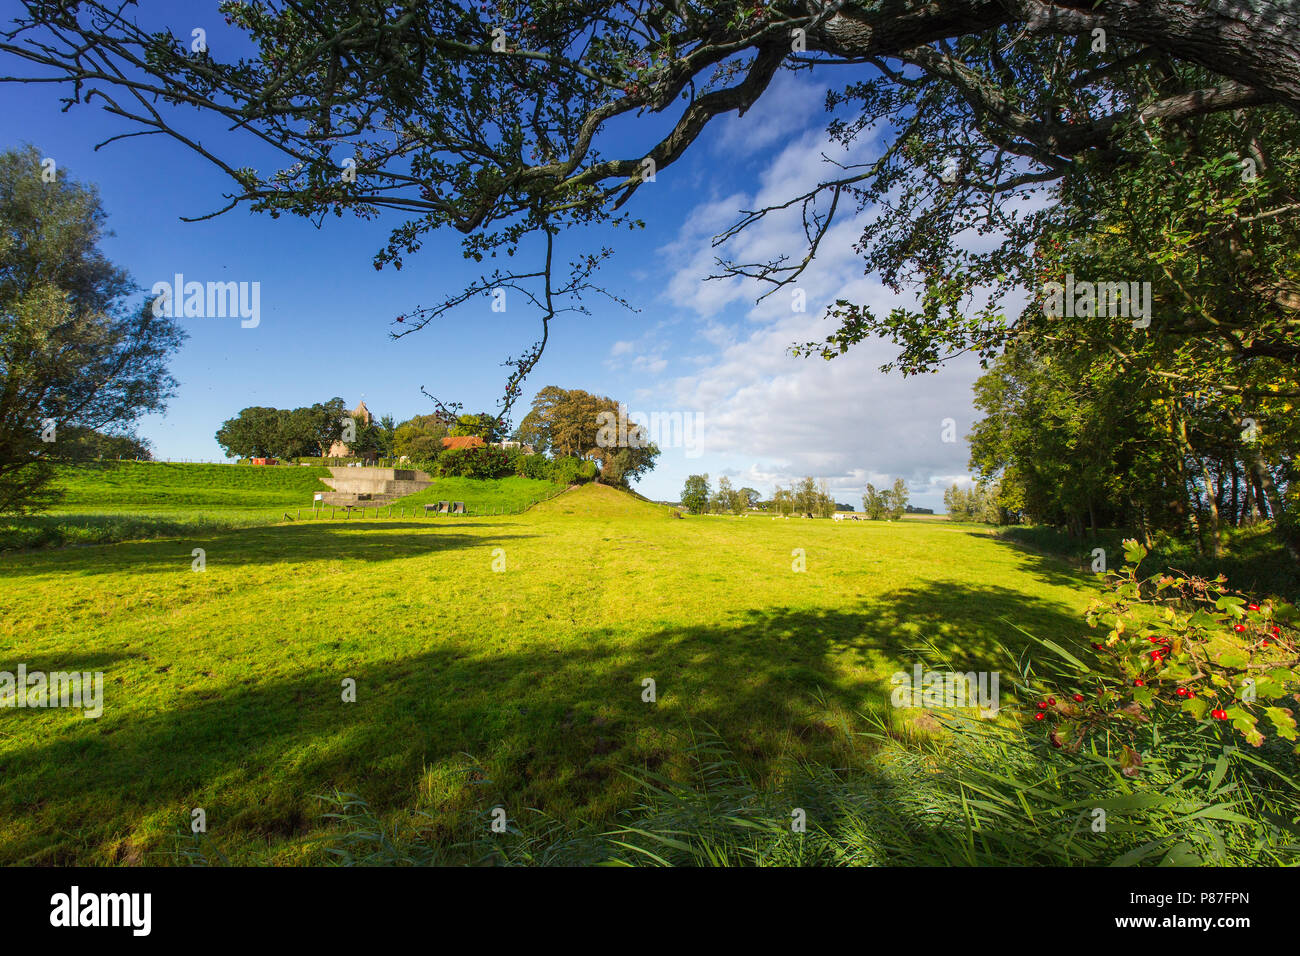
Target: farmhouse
463	441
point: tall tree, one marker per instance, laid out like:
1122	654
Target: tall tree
386	436
499	120
896	499
695	494
420	438
75	352
570	421
873	503
256	432
726	500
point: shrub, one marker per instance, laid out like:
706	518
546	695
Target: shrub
1184	659
483	462
533	466
571	470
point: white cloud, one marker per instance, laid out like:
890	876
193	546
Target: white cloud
770	417
790	104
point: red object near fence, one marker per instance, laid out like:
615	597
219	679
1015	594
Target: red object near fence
265	461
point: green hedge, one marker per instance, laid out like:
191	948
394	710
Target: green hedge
488	462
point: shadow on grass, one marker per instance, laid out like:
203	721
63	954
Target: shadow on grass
1254	560
550	727
280	544
73	660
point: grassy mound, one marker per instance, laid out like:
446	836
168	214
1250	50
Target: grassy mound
133	486
483	496
104	502
602	501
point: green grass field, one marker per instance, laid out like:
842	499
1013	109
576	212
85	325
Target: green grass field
124	501
475	686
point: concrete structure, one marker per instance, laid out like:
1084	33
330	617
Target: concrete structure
367	487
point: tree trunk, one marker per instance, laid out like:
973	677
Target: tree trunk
1211	492
1282	522
1236	496
1255	42
1212	505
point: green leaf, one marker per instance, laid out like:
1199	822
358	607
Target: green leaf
1283	720
1231	603
1133	552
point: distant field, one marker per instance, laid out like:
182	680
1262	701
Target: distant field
520	686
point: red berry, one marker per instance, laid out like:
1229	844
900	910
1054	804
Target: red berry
1039	716
1252	607
1264	644
1277	631
1139	683
1078	698
1042	705
1181	692
1052	701
1219	714
1239	627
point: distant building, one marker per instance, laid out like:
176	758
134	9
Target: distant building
341	449
462	441
524	447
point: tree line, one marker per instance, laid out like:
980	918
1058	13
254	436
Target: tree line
561	425
809	496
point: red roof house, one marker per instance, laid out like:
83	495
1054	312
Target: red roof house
463	441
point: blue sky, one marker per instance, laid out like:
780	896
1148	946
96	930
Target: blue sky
694	347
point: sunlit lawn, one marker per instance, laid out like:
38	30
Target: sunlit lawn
126	501
523	687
